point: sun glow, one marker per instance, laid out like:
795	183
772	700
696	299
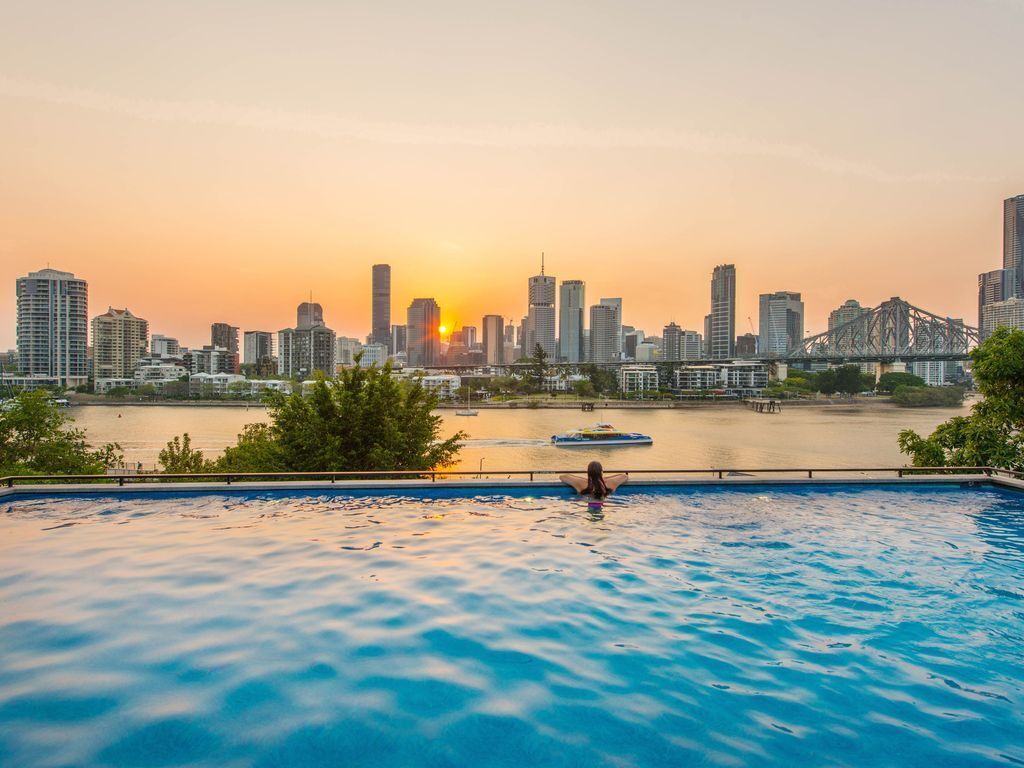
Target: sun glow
442	329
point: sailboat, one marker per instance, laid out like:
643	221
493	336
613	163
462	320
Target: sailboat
467	411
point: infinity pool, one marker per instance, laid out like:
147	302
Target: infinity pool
843	626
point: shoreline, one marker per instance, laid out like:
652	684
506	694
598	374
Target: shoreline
609	405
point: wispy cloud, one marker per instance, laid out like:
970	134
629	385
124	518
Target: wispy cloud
533	135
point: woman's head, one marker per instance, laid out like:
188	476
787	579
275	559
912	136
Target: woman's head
595	480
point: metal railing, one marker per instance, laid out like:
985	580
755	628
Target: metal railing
532	475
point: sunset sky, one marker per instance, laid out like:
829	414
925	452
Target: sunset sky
217	161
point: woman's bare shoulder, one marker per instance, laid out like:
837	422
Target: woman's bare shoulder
614	481
577	482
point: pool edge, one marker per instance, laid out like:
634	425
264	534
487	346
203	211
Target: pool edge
106	489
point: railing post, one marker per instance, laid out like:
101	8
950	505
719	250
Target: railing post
120	480
531	477
227	480
810	474
899	473
719	474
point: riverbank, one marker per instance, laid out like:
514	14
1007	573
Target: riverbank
527	405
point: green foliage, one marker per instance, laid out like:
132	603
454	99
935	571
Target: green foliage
256	451
604	382
362	420
919	397
145	390
35	438
850	380
538	368
584	388
888	382
992	434
826	382
118	393
178	457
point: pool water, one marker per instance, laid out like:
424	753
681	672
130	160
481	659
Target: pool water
845	626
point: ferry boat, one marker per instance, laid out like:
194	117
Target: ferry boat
602	434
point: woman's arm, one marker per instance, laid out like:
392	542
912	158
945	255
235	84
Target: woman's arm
577	482
614	481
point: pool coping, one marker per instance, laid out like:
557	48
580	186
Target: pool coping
136	488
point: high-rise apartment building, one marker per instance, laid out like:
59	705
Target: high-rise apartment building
572	298
993	287
494	339
53	327
258	348
604	334
119	341
381	310
672	343
423	335
691	346
1009	313
781	321
1013	241
849	310
308	347
225	336
164	346
540	316
616	304
723	312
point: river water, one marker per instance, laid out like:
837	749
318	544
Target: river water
697	437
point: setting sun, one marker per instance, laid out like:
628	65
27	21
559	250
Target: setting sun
442	329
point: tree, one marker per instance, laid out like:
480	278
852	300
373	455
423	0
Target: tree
178	457
35	438
993	435
538	368
363	420
118	393
825	381
604	382
145	390
888	382
848	380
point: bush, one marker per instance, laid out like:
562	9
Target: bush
924	396
36	439
362	420
993	435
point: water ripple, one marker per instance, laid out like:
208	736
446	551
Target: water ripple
839	626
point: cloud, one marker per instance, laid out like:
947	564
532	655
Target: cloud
523	136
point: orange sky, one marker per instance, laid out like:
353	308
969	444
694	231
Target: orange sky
216	164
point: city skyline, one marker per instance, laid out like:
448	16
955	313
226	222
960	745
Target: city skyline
178	156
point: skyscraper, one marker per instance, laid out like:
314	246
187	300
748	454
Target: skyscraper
423	335
781	321
572	298
1013	241
308	347
540	317
381	319
723	312
494	339
258	347
672	342
604	327
225	336
53	327
616	304
119	341
398	336
993	287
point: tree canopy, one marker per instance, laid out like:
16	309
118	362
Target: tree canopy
36	439
993	435
364	419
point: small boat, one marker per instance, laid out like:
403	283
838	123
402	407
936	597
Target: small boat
602	434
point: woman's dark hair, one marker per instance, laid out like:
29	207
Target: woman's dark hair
595	481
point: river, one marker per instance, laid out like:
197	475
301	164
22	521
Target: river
695	437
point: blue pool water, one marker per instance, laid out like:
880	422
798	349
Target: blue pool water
804	626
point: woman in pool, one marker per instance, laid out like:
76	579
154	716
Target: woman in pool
595	484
